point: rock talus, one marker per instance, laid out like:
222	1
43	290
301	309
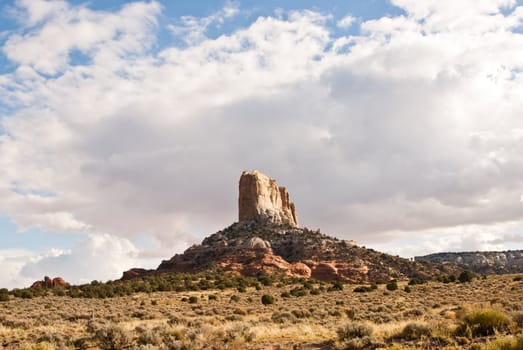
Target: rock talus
261	200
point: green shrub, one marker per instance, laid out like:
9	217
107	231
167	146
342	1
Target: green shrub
485	322
392	285
4	295
315	291
193	299
362	289
415	280
466	276
407	289
235	298
336	286
267	299
518	278
213	297
298	292
285	295
266	280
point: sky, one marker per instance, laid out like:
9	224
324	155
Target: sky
125	125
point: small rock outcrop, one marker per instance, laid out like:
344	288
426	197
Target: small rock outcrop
47	282
262	200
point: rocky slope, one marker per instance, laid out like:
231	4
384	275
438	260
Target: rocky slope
267	240
480	262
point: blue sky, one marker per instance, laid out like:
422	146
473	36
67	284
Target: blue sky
124	125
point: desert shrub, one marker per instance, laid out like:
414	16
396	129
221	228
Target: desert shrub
267	299
505	344
285	295
301	313
193	299
466	276
4	294
315	291
336	286
298	292
235	298
415	280
354	330
266	280
392	285
213	297
518	278
150	336
407	289
518	319
362	289
282	317
353	336
113	337
414	331
484	322
39	346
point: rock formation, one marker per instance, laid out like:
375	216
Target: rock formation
267	240
47	282
481	262
262	200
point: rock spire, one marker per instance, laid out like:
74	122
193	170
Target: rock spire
262	200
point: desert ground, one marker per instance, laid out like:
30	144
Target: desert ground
486	313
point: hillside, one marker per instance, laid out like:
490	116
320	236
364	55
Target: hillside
253	248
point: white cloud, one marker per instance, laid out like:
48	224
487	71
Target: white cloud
102	35
345	22
100	257
192	30
412	127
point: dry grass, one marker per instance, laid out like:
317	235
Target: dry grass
162	320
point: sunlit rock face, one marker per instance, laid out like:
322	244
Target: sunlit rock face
261	200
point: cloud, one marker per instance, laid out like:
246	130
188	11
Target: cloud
345	22
411	128
55	29
83	263
192	30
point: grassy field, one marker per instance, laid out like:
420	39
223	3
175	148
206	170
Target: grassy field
486	313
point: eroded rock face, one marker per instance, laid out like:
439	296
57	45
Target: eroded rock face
57	282
262	200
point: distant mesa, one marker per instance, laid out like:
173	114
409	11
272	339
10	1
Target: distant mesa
510	261
261	200
47	282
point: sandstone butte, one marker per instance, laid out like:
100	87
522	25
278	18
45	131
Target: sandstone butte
268	240
261	200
